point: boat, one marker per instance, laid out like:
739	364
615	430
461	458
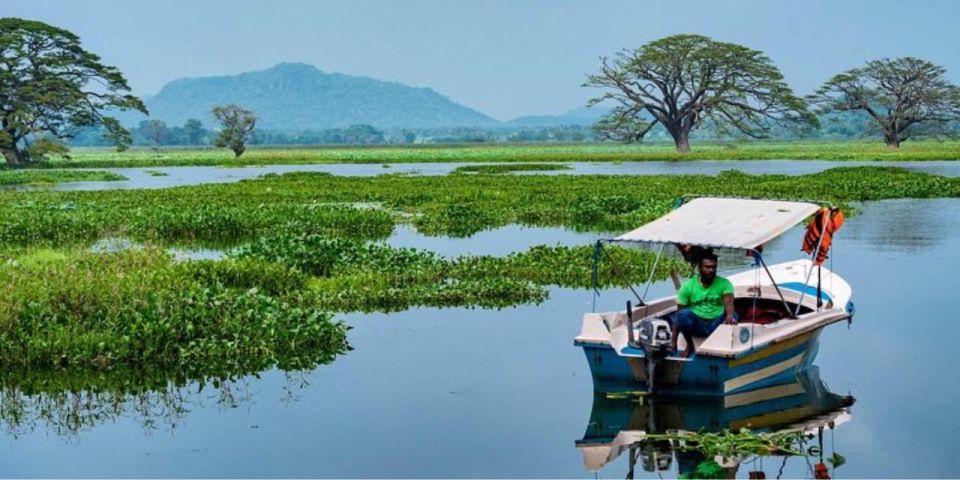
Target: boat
783	308
624	424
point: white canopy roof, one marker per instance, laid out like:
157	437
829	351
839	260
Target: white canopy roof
723	222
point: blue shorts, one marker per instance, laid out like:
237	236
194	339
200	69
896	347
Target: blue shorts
692	325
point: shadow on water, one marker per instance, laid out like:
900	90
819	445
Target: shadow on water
654	433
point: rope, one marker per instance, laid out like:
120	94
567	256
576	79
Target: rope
782	465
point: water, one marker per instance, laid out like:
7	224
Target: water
178	176
482	393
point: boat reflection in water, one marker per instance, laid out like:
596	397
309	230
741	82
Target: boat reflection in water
619	425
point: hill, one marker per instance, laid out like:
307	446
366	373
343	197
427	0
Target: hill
584	116
297	96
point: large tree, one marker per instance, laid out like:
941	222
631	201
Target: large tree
194	131
236	123
682	80
155	131
905	97
50	86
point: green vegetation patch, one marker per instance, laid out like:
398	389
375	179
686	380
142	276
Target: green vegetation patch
45	177
184	216
156	173
139	307
511	168
736	445
262	307
357	276
453	205
601	152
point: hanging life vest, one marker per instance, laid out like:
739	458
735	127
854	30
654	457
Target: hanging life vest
833	219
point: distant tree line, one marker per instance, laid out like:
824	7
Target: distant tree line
156	134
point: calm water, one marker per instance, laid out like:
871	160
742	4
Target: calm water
177	176
481	393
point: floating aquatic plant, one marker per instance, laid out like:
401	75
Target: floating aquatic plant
510	168
605	152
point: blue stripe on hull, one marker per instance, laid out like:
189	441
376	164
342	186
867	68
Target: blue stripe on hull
703	375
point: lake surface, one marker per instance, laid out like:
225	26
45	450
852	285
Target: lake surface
486	393
177	176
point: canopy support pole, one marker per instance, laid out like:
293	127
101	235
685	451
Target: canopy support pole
617	272
775	286
595	277
819	287
653	270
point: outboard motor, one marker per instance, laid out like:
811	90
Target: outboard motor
655	336
656	340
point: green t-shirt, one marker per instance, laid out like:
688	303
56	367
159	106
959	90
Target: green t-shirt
706	302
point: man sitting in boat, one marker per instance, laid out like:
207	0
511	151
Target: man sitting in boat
703	303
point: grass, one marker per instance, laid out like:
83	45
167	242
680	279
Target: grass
523	153
49	177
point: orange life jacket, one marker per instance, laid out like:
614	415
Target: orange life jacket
834	220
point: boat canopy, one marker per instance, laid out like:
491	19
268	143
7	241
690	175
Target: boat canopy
723	223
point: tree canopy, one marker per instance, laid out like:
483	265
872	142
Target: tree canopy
904	96
50	86
236	123
683	80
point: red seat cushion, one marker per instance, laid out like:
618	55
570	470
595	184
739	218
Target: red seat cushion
761	315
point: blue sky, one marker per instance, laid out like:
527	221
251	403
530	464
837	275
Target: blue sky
503	58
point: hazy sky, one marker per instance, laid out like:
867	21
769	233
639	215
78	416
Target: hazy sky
503	58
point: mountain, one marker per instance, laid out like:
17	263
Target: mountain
297	97
585	116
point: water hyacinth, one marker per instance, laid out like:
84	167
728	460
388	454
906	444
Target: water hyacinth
510	168
454	205
42	177
354	275
597	152
138	307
